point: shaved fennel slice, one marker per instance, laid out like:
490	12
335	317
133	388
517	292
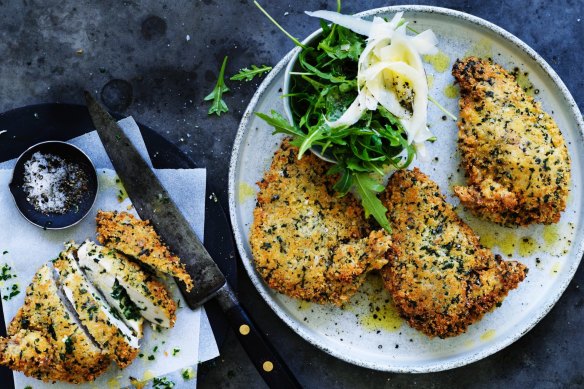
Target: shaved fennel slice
380	29
417	122
350	116
425	42
376	81
401	49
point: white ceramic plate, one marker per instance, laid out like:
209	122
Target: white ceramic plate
379	340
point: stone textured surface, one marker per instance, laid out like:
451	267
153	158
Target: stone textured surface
156	60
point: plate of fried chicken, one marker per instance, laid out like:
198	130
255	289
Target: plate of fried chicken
486	233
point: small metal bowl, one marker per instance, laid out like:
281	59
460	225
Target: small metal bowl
54	221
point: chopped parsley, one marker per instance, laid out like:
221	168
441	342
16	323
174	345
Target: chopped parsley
68	345
175	351
129	309
151	357
188	374
14	291
5	272
162	383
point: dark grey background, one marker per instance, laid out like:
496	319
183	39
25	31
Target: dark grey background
136	55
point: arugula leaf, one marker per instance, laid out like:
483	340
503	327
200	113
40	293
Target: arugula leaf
218	106
246	74
367	188
280	124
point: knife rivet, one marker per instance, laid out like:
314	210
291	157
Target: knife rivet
268	366
244	329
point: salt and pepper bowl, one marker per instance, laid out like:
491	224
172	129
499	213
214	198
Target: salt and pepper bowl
74	214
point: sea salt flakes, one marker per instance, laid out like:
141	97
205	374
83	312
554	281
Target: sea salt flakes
51	184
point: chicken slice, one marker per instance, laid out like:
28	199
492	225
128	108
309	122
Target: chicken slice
137	239
150	296
114	293
441	279
112	335
46	341
515	156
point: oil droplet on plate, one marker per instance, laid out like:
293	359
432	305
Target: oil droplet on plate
451	91
114	383
482	49
440	62
245	192
551	239
381	313
430	79
523	81
303	305
555	269
488	335
382	317
527	246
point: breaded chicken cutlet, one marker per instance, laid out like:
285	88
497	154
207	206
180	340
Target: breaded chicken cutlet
514	154
46	342
308	242
441	278
137	239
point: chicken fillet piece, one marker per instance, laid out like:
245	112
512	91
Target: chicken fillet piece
136	238
45	340
150	297
108	330
441	278
308	242
514	154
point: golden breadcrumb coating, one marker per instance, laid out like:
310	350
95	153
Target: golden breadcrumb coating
44	340
308	242
514	154
136	238
441	278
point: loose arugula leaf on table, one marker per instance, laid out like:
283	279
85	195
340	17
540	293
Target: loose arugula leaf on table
218	106
247	74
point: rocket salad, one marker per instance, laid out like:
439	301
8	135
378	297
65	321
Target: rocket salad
359	95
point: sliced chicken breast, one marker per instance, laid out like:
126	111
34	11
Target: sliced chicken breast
137	239
114	293
150	296
45	341
111	333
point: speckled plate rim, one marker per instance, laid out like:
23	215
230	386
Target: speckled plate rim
303	332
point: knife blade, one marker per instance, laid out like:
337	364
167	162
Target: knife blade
152	202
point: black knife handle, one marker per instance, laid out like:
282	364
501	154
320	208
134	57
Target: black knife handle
261	353
265	359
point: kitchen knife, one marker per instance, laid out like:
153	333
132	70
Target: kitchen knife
152	202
